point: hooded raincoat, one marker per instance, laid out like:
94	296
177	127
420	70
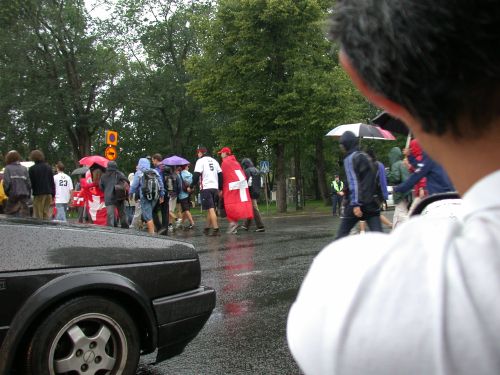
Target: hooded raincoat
398	172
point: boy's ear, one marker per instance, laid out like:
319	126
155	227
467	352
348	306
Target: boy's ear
377	99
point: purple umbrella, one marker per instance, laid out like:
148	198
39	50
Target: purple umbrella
175	160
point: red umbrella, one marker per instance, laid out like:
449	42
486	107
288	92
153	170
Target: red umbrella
94	159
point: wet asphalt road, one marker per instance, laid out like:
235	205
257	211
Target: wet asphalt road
256	276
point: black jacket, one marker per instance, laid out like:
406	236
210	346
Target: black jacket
108	181
361	173
42	179
251	171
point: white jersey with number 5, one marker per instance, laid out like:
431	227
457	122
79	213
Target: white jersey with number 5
209	169
64	185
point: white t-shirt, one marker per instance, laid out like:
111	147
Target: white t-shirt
423	300
209	169
64	185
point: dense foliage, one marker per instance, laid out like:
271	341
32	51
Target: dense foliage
256	75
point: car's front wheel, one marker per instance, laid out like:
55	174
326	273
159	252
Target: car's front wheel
88	334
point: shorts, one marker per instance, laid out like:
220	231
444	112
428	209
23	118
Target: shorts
172	202
185	204
209	198
147	209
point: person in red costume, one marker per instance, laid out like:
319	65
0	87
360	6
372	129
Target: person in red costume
94	197
237	201
419	190
416	151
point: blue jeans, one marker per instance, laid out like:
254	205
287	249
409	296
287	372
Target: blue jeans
147	209
61	211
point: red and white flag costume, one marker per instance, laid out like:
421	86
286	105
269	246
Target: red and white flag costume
237	201
94	200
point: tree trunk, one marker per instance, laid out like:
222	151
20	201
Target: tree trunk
299	194
320	168
83	147
280	178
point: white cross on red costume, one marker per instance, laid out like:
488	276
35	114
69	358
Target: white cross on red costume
240	185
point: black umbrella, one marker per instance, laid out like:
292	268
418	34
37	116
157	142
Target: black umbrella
79	171
387	122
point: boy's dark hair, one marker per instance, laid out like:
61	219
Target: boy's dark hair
37	155
60	166
438	59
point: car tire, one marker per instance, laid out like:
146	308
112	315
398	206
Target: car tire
88	334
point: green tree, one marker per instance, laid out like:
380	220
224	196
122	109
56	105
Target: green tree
251	73
157	114
60	74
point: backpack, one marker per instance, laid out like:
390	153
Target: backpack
254	183
172	185
169	183
185	184
121	190
149	185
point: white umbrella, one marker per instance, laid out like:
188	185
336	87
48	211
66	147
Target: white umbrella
362	131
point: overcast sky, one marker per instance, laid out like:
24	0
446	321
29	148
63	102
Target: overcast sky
97	9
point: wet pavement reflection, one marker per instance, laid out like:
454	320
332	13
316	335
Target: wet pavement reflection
256	276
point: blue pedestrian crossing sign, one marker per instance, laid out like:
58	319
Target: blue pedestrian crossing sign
264	166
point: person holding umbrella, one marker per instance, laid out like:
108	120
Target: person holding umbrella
362	176
184	196
161	206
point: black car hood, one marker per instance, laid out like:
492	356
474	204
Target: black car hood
33	244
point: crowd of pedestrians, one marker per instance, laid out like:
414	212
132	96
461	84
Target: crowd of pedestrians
412	174
157	197
48	194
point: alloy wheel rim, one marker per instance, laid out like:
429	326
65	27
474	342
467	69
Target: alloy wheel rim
89	343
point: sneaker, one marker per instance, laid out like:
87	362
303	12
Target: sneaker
262	229
170	228
178	223
244	227
215	232
206	231
189	227
233	228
